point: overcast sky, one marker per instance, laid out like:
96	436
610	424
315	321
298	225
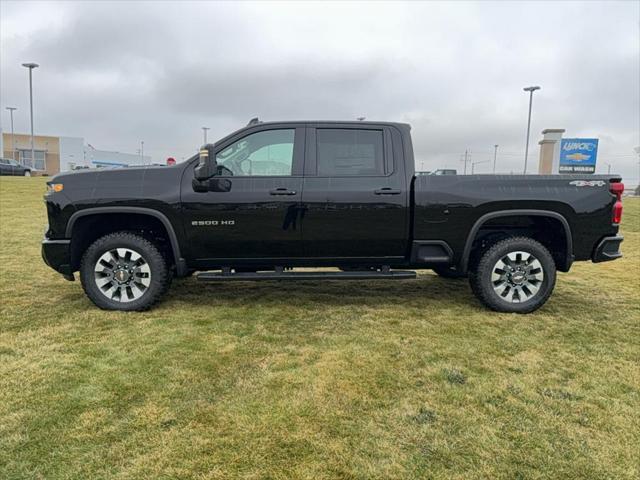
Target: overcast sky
118	72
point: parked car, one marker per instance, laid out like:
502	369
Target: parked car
11	167
274	196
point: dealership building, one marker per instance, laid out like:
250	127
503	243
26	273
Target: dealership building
59	154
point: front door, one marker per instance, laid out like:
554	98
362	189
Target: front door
356	195
252	211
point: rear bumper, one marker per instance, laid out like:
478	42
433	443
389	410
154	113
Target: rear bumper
56	254
608	249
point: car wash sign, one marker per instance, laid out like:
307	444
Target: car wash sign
578	155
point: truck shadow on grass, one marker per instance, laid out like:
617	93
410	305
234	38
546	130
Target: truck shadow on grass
426	290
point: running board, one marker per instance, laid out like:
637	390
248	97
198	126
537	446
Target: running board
357	275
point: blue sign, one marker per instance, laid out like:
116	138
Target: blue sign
578	155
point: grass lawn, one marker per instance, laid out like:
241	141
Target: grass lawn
315	380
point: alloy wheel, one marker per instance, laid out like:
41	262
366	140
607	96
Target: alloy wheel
517	277
122	275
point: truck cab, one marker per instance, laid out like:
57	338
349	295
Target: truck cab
305	192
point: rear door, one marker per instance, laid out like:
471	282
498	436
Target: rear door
355	196
253	210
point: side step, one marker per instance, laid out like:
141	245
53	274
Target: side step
357	275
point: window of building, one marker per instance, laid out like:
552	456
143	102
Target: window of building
267	153
349	152
40	159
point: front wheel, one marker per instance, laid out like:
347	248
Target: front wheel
124	271
514	275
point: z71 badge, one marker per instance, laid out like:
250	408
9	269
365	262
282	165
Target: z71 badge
212	223
588	183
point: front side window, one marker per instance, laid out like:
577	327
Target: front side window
267	153
343	152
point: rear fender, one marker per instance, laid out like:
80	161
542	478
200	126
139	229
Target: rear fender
464	262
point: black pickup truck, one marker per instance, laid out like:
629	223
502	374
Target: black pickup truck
271	197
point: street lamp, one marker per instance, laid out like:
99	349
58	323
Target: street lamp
13	138
495	157
204	131
526	150
31	66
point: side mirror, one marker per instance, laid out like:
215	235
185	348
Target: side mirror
207	165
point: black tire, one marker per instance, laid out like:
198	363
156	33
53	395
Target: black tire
524	285
448	272
159	274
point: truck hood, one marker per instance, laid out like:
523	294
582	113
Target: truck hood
108	185
93	174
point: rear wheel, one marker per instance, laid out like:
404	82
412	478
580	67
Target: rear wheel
124	271
27	173
514	275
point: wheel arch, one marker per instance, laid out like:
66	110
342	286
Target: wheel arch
563	265
132	211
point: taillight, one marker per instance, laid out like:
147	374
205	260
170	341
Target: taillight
617	189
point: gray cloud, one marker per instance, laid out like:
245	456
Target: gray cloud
120	72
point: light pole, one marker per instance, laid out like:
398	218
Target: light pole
608	167
142	152
31	66
526	150
13	138
204	131
466	159
495	157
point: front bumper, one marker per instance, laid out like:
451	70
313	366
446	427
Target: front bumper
608	249
57	255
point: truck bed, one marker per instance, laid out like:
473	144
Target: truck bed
448	207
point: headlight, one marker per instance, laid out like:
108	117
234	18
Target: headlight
54	187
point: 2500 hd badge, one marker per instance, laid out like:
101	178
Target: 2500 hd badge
213	223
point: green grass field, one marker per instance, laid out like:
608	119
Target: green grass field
315	380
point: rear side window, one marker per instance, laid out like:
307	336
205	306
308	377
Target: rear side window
344	152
